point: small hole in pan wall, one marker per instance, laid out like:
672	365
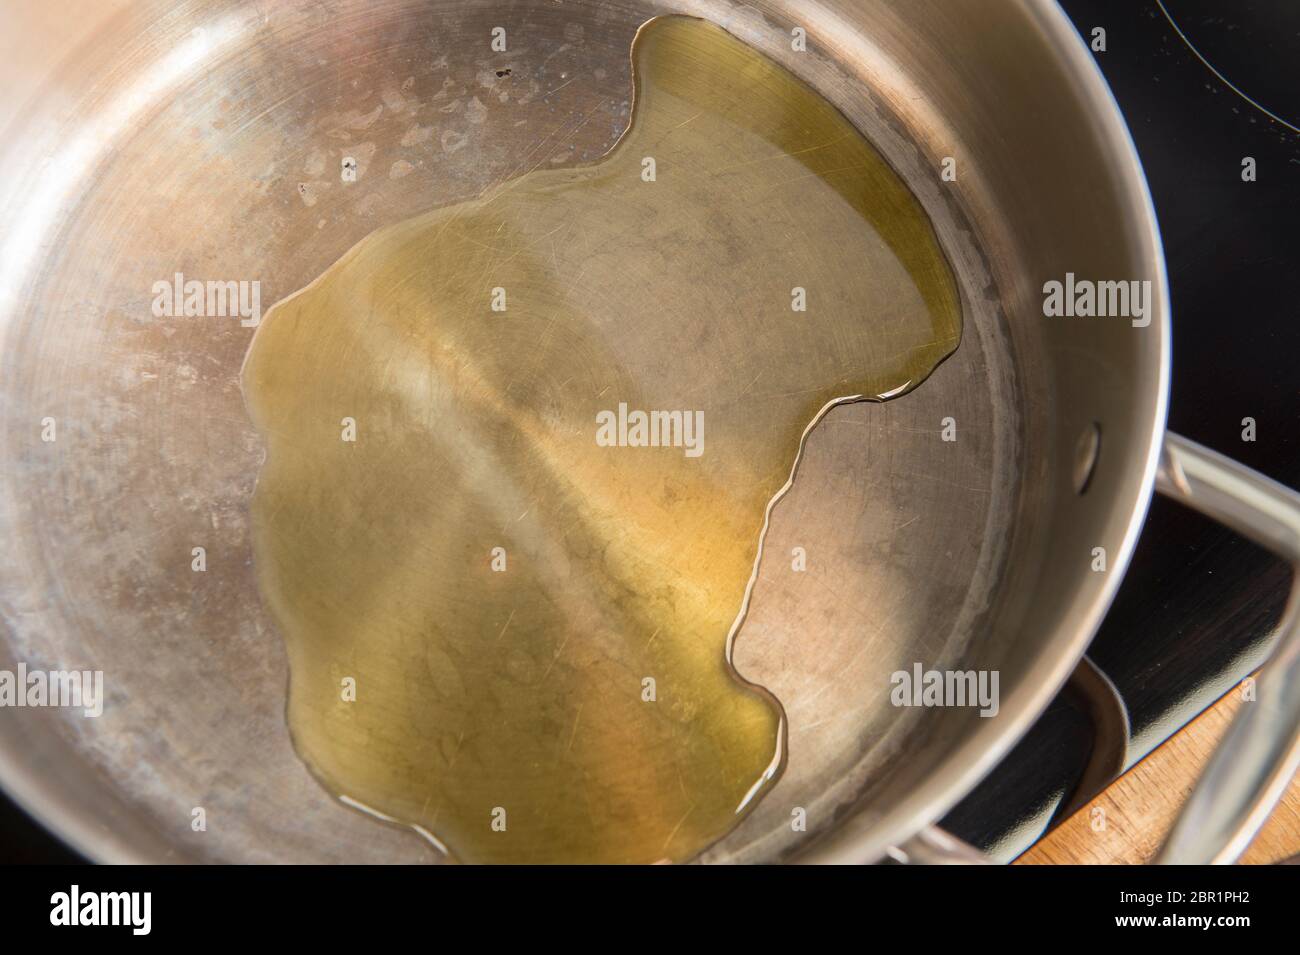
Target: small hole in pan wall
1086	450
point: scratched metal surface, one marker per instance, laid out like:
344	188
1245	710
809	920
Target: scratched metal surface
205	139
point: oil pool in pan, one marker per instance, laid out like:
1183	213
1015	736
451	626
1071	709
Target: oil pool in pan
521	451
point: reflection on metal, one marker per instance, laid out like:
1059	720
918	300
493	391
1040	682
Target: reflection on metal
1260	753
1110	733
934	846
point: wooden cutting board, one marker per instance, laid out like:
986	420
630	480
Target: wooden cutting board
1141	805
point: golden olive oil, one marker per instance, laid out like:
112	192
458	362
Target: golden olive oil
521	451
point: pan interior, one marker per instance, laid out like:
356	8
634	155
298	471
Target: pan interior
215	150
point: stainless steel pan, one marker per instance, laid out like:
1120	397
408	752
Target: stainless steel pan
174	137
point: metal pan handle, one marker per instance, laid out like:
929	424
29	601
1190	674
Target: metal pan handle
1260	753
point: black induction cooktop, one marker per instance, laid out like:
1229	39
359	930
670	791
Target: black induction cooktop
1204	84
